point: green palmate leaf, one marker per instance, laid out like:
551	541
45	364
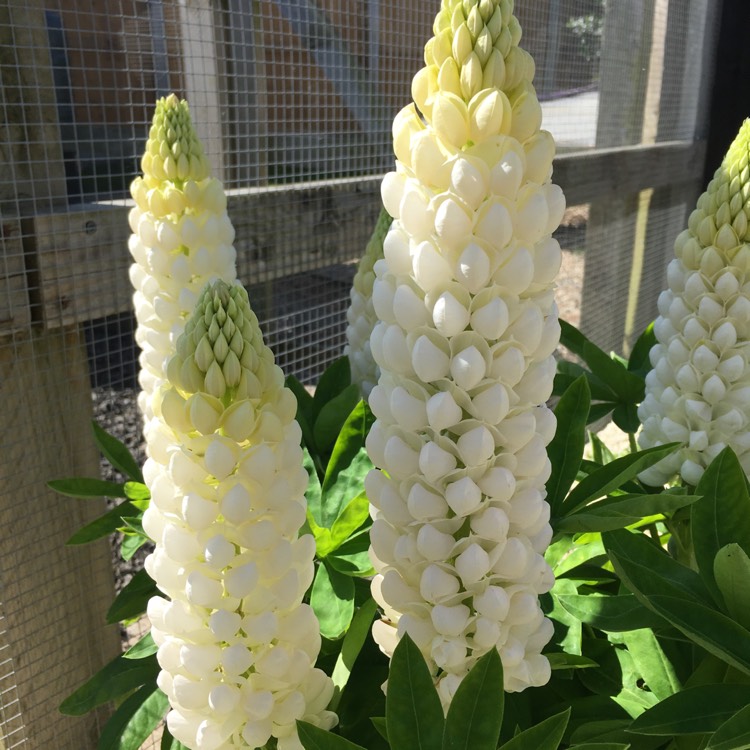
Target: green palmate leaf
732	574
608	478
413	713
622	510
137	491
333	381
136	718
305	411
601	453
131	543
116	679
333	415
647	570
349	480
723	515
132	600
696	710
349	443
639	358
379	723
332	600
562	660
625	416
578	555
116	453
628	387
476	710
566	449
568	372
715	632
314	738
350	518
104	525
544	736
143	648
612	614
652	663
571	641
85	487
353	641
313	492
733	734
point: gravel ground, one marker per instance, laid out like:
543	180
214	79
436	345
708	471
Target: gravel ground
116	410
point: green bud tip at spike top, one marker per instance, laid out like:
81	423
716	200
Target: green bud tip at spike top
698	391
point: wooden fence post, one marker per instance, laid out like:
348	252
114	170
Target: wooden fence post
53	598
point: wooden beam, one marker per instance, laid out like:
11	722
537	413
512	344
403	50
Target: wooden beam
81	255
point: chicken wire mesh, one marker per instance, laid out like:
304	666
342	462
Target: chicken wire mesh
293	100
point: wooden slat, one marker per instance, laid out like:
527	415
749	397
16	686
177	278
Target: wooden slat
15	309
82	256
611	172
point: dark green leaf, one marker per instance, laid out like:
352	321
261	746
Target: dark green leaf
601	453
132	600
104	525
134	721
733	734
333	415
143	648
625	416
612	614
353	641
476	710
732	574
413	714
313	491
562	660
715	632
567	372
117	678
566	449
351	517
335	379
116	453
379	723
332	599
544	736
349	443
600	410
600	746
608	478
137	491
696	710
650	661
628	387
314	738
647	570
639	362
722	516
622	510
85	487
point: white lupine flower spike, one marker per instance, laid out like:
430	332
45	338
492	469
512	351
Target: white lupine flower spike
237	646
360	316
182	238
465	340
698	393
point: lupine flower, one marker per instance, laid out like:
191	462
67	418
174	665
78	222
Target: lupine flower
468	327
698	393
237	646
182	238
361	316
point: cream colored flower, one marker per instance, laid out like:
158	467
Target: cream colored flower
360	316
237	646
182	238
467	329
698	393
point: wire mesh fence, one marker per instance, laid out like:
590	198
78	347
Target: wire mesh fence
293	100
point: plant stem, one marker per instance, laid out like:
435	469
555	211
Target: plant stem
633	444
